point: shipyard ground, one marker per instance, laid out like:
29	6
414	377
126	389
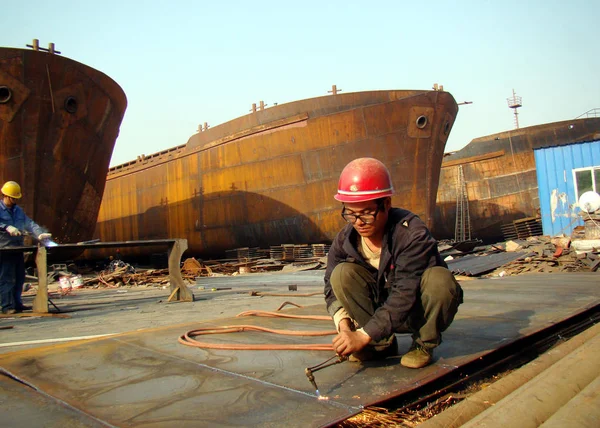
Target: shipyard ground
143	377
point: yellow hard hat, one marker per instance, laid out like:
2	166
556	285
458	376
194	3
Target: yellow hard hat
12	189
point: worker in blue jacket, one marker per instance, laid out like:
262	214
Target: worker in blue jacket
13	223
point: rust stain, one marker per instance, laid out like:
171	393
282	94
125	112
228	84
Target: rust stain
247	183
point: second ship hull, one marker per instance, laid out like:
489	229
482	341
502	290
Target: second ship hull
500	176
268	178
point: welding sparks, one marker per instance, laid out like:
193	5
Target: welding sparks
321	397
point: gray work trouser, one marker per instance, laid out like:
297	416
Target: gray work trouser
438	299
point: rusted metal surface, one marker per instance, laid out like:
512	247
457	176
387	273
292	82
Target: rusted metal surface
500	176
268	178
146	379
473	265
21	405
59	121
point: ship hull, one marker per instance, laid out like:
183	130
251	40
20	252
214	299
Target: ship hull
59	121
500	177
268	178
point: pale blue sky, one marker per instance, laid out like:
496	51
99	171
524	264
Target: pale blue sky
183	63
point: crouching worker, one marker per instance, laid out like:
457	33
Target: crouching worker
384	273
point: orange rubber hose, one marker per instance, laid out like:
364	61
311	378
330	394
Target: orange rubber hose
280	315
188	338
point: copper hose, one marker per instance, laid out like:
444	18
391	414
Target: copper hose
279	315
188	338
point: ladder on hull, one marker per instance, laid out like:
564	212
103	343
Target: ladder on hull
462	231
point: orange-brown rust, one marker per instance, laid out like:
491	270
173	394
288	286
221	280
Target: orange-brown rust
57	133
500	176
231	187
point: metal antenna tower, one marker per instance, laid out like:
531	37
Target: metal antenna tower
514	103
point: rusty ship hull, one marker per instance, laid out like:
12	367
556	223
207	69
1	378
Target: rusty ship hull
268	178
500	177
59	120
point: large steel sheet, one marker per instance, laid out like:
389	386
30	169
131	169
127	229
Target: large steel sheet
473	265
147	379
23	406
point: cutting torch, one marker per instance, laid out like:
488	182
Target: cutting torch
310	370
47	242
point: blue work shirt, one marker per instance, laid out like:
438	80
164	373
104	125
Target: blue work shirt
16	217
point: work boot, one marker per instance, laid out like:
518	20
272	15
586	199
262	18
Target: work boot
417	356
9	311
376	350
23	308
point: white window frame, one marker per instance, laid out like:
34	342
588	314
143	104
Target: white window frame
595	186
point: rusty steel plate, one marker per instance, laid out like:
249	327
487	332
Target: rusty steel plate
147	378
23	406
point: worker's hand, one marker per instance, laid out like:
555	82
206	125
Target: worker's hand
347	342
13	231
44	236
345	324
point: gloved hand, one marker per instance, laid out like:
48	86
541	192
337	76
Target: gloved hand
13	231
44	236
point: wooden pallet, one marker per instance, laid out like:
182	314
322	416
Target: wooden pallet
522	228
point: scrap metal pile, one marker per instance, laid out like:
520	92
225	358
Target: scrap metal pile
125	275
539	254
122	277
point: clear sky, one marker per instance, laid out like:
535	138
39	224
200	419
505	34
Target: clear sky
182	63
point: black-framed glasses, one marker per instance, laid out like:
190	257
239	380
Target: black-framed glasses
365	218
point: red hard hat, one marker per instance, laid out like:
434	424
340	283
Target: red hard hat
364	179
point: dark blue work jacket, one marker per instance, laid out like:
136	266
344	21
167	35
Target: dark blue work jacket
407	250
16	217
